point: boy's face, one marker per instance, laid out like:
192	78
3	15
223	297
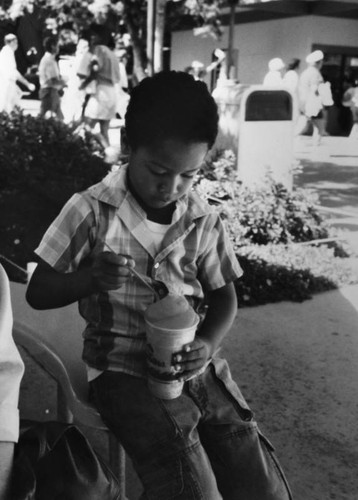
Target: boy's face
160	175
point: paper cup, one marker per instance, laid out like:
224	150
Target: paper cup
161	345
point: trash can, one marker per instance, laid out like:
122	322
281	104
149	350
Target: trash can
266	133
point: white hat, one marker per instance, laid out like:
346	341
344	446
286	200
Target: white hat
315	56
197	64
276	64
10	38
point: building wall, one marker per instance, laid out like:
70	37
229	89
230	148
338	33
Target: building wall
258	42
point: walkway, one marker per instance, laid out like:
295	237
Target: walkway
332	170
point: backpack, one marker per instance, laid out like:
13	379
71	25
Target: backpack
55	461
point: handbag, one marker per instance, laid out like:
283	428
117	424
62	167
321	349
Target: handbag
313	104
325	93
54	460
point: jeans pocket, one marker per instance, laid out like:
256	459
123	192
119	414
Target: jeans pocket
222	372
269	450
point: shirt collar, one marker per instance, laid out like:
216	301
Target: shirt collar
113	190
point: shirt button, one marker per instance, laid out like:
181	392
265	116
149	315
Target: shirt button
156	265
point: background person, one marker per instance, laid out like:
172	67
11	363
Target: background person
273	77
73	98
11	372
290	81
310	102
291	77
198	70
10	94
51	81
99	70
148	213
350	99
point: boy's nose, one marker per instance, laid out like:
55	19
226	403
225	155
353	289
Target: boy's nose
170	186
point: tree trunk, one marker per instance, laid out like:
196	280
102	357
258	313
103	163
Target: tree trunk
159	35
151	23
138	45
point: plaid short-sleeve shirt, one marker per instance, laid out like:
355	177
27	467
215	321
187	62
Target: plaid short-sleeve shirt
196	256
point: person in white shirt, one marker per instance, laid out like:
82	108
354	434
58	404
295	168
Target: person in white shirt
273	77
73	100
10	94
11	372
290	78
51	82
310	101
290	82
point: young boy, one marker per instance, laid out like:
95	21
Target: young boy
205	443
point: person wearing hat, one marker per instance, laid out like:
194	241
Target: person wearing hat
273	77
10	94
310	102
197	69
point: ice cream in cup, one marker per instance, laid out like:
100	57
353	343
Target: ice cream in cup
170	324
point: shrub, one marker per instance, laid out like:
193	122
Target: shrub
34	150
263	214
273	273
266	225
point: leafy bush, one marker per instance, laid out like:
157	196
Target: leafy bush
264	214
34	150
273	273
266	225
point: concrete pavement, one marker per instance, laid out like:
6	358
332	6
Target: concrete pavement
297	365
331	169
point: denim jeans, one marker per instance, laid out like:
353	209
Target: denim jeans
203	445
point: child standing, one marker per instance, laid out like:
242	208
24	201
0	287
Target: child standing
204	444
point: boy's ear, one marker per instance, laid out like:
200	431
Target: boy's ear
210	154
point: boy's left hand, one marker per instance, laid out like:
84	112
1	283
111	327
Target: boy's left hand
192	358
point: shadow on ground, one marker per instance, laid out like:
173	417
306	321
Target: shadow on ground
336	187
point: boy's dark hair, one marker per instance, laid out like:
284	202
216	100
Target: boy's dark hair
49	43
171	105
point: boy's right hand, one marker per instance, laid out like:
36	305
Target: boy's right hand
110	271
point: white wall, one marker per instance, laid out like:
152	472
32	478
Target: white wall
260	41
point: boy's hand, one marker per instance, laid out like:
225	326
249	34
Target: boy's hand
110	271
192	358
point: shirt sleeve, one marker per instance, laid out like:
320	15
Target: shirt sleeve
70	237
218	264
11	367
